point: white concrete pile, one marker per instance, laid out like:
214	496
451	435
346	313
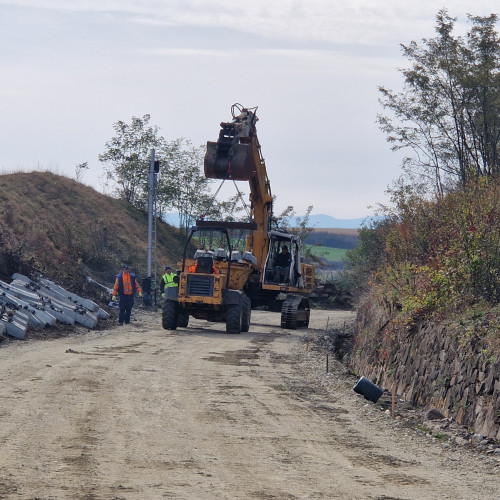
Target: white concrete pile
41	303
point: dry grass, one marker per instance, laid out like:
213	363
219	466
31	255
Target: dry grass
54	225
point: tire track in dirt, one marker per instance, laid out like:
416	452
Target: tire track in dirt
143	413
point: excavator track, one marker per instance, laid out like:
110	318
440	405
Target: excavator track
295	312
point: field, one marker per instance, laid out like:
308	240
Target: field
327	253
330	243
339	231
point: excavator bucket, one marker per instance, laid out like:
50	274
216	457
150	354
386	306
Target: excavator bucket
233	163
231	156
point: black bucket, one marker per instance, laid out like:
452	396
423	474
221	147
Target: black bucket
370	391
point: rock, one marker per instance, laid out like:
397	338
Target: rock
433	414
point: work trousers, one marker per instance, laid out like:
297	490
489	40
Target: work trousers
277	274
125	305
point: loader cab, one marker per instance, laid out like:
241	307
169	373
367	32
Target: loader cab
204	259
205	263
277	241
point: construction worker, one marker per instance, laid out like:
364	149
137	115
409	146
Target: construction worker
125	288
282	265
167	280
194	268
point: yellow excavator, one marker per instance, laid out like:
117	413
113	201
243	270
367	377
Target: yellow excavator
225	284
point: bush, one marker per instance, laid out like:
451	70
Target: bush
427	257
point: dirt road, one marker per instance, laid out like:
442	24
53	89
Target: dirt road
138	412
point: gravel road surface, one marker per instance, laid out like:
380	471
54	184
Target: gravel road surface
138	412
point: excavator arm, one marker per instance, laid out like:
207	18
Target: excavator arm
237	156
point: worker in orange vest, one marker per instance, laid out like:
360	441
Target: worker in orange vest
125	288
192	269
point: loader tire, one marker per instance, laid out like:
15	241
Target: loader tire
246	314
170	315
233	318
183	319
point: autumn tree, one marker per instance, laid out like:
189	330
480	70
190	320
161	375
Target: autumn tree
448	113
430	255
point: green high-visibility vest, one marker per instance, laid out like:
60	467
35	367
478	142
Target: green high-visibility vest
169	280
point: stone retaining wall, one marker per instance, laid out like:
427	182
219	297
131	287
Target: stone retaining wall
428	367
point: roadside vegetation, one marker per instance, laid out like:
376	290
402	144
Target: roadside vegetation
435	252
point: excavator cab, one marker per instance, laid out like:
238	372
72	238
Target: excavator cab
284	276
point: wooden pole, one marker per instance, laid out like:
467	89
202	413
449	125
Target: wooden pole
393	400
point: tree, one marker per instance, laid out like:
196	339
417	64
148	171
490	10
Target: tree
448	113
181	182
484	45
127	156
181	185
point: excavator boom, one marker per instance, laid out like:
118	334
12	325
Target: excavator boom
237	156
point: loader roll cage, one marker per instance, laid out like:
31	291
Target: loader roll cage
204	227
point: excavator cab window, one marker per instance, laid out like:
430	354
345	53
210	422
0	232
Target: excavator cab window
286	275
271	257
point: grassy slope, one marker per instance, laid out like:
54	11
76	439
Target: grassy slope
66	230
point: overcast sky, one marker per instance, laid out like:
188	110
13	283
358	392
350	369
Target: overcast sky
70	69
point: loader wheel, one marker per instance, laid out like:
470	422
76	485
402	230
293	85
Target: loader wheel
246	314
233	319
170	315
183	319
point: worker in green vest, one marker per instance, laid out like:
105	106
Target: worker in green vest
167	280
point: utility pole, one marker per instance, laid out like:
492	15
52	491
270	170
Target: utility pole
154	167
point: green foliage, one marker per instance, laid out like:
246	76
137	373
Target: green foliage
430	258
181	185
127	156
447	114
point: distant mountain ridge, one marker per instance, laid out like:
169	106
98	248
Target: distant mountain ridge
320	221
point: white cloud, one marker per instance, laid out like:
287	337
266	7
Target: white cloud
334	21
70	69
